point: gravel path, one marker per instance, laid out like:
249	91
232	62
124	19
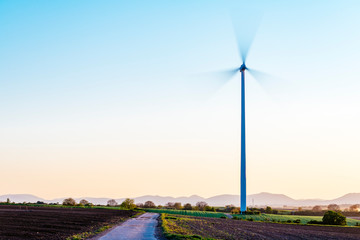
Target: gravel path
140	228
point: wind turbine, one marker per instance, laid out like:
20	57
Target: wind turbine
243	52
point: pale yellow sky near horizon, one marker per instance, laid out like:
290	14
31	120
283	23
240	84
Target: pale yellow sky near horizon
163	156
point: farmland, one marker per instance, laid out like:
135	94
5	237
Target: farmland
27	222
284	218
263	217
176	226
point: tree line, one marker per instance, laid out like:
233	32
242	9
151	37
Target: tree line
130	204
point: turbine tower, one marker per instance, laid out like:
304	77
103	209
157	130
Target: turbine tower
243	143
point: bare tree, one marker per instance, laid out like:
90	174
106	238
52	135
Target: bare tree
354	208
140	205
149	204
69	202
84	202
187	206
201	205
334	207
112	203
170	205
177	205
317	208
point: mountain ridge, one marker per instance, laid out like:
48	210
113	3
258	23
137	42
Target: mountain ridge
258	199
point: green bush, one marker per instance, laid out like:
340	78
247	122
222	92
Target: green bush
268	209
314	222
209	209
253	212
334	218
128	204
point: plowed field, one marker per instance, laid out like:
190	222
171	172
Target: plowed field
52	223
229	229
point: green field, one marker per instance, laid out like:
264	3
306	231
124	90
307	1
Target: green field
188	212
283	218
262	217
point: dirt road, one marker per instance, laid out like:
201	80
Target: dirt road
140	228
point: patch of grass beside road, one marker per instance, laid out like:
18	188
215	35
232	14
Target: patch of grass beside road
85	235
174	229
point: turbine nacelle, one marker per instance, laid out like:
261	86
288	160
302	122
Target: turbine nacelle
243	67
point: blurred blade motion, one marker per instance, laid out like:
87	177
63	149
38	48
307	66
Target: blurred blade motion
218	77
209	82
226	74
273	85
245	30
259	75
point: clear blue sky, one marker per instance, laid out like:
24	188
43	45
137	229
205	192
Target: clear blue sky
108	85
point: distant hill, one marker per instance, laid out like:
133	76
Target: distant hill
262	199
259	199
222	200
349	198
19	198
93	200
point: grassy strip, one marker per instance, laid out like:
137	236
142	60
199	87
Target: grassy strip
85	235
285	218
139	212
169	228
276	218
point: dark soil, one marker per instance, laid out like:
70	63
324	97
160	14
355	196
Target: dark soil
236	229
52	223
158	231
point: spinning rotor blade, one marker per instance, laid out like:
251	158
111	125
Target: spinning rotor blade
258	75
219	75
245	30
226	74
265	79
211	81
